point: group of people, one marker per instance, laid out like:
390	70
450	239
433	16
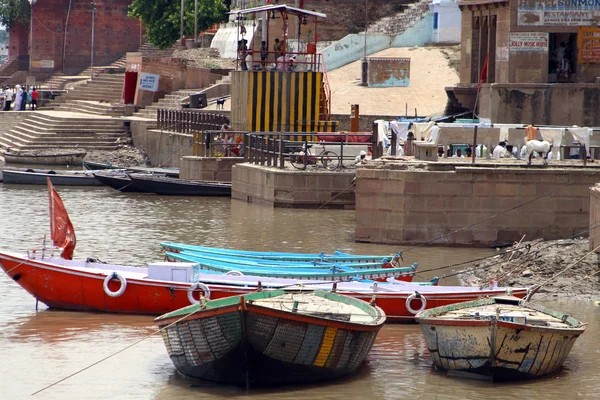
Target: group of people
248	61
229	144
17	98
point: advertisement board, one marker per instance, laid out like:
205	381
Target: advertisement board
388	71
149	82
558	12
536	42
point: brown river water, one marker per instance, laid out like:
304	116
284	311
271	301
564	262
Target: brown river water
40	348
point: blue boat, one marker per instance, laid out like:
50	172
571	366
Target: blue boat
336	273
336	256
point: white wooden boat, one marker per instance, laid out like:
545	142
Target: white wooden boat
13	157
499	337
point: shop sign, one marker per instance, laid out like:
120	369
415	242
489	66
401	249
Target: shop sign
536	42
558	12
588	45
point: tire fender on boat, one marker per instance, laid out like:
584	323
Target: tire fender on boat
413	297
198	286
234	272
115	275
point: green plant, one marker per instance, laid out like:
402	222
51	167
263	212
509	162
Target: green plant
14	11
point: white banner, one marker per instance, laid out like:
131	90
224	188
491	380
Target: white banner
536	42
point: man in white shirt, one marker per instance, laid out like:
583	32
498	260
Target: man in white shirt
8	98
499	150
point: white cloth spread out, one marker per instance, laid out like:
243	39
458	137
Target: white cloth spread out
555	137
422	130
400	129
435	133
382	132
582	135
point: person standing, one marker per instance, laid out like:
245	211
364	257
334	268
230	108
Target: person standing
277	48
18	98
34	98
264	53
8	98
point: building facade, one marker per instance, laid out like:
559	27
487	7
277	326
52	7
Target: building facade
516	48
61	38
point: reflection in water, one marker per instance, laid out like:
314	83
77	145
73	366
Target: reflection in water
47	346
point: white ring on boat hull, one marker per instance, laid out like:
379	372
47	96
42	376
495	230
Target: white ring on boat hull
198	286
115	275
234	272
411	298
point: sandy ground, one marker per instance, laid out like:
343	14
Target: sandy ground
204	58
431	71
541	262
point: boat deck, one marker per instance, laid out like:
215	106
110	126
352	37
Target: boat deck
506	312
310	304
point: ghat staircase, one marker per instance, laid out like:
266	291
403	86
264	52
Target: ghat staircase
398	23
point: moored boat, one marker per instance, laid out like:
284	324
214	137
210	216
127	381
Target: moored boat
165	185
336	256
162	287
499	337
333	272
120	182
271	337
12	157
30	176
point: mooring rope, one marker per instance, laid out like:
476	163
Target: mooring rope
117	352
495	215
13	268
337	195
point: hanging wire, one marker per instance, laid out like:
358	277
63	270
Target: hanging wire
495	215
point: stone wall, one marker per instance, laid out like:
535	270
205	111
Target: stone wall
165	149
544	104
400	205
208	168
292	188
594	222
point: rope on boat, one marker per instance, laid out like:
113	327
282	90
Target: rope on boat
337	195
508	251
13	268
537	287
496	215
117	352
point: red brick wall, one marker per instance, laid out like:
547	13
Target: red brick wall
115	33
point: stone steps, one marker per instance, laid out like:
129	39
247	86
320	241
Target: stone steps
398	23
56	129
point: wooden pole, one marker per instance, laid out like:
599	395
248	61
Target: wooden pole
474	146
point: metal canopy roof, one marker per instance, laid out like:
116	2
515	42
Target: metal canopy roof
282	7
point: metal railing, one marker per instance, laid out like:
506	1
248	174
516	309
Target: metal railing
188	121
282	148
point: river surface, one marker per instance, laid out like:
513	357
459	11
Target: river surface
41	348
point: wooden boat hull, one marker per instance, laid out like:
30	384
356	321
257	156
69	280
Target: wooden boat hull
463	337
516	353
180	187
44	159
22	177
63	287
251	345
119	182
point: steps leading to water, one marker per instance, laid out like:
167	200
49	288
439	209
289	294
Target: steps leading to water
59	129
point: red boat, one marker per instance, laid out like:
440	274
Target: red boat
164	287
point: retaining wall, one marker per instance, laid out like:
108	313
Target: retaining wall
395	204
292	188
208	168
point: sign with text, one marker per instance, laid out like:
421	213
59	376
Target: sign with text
588	45
149	82
536	42
388	71
558	12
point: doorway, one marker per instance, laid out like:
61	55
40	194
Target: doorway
562	44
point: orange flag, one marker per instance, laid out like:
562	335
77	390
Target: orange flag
61	228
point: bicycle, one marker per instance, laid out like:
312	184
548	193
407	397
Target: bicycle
301	158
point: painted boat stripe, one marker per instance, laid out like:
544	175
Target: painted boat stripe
326	346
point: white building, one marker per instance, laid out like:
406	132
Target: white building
446	21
